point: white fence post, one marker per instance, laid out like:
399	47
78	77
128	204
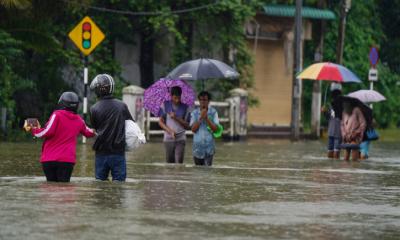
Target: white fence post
239	97
147	125
232	109
133	97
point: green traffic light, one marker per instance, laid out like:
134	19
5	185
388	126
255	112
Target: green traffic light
86	44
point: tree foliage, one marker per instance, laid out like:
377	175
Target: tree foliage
37	34
367	25
36	55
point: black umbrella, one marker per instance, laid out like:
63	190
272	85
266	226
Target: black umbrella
201	69
367	111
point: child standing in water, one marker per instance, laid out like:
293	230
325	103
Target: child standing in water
60	136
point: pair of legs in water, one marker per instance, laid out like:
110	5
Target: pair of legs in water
175	154
354	150
57	171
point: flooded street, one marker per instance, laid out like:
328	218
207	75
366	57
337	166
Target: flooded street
257	189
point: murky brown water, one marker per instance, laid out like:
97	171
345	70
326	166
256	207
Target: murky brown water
255	190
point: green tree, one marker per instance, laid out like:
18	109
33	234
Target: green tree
366	27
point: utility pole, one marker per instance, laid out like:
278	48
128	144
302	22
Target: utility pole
295	121
316	94
344	9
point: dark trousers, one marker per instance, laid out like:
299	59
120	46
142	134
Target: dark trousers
58	171
206	161
175	151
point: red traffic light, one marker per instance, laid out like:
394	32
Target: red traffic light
86	35
86	26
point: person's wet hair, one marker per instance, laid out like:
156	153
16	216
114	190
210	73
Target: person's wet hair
176	91
203	94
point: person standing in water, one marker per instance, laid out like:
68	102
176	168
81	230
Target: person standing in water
174	121
60	137
334	116
108	117
204	121
353	126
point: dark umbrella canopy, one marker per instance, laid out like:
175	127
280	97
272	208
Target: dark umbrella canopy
367	111
201	69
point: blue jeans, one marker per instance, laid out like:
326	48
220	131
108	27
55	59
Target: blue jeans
115	163
334	144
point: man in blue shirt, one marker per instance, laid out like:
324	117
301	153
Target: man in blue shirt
204	121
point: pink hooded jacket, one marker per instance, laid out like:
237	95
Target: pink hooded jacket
60	134
353	126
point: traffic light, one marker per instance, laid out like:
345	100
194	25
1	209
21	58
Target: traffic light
86	35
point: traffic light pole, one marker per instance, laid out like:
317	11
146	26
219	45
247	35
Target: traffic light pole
85	81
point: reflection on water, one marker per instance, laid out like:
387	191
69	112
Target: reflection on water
255	190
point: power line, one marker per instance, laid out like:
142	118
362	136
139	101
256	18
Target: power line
102	9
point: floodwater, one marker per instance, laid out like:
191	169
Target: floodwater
255	190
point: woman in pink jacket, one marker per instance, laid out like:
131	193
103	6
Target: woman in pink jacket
60	136
352	127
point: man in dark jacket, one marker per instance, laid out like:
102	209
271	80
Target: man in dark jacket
108	117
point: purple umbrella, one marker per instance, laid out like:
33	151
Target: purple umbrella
156	94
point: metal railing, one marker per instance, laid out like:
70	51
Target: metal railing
226	114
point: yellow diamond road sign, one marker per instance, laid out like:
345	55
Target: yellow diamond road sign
86	35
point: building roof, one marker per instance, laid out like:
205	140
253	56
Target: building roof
306	12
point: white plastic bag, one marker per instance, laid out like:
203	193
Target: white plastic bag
133	135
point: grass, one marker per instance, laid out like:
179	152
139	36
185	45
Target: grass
389	134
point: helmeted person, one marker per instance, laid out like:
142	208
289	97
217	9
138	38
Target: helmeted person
108	117
60	136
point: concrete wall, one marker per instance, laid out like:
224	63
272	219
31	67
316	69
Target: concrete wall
273	85
273	68
128	55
